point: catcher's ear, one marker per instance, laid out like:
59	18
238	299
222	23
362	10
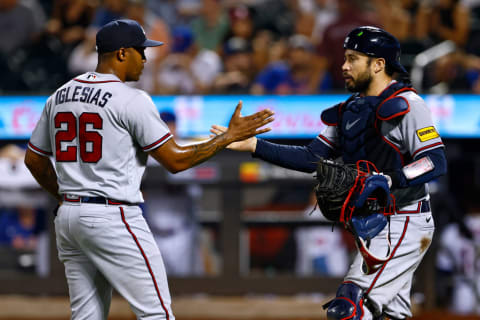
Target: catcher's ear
379	65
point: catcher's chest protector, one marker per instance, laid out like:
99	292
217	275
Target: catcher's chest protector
359	130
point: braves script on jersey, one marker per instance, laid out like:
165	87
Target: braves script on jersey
99	131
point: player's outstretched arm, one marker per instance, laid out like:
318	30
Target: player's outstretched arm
176	158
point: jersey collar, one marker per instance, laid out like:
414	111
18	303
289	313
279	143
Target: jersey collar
95	77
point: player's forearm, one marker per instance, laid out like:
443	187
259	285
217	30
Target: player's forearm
43	172
48	180
427	167
189	156
300	158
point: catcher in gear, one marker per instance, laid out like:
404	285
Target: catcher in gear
385	123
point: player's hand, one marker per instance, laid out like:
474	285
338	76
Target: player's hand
241	128
249	144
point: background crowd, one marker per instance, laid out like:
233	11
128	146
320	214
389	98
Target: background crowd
235	47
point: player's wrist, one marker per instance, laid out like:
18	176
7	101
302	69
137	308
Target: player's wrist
253	144
397	178
228	137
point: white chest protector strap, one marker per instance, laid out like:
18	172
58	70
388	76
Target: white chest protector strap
371	263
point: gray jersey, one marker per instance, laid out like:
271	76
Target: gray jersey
99	131
414	134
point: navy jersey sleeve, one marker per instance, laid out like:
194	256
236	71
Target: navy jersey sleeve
300	158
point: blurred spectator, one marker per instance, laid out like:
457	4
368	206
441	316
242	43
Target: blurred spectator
25	60
417	19
241	23
69	21
457	71
303	65
11	153
237	74
211	26
453	72
458	260
108	11
184	71
261	45
473	42
295	75
19	227
450	20
304	22
418	11
394	18
171	211
155	29
23	236
176	13
325	12
14	173
84	56
20	22
275	16
321	250
473	72
351	14
274	74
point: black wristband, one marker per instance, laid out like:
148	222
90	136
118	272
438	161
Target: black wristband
398	179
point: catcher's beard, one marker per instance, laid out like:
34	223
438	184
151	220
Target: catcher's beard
362	82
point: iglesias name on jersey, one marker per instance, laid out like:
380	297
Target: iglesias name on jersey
99	131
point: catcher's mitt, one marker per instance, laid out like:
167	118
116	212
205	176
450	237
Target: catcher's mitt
334	182
344	190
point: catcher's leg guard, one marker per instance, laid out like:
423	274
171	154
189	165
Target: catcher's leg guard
348	303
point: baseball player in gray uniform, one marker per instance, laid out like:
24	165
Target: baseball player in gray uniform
100	132
387	123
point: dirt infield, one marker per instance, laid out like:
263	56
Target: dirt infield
194	308
185	308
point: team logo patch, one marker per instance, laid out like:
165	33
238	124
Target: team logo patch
427	133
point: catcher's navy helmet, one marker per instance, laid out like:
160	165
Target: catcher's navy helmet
375	42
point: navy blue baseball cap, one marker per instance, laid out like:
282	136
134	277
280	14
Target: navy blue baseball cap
375	42
123	33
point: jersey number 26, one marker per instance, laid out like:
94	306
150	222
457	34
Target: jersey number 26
89	142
